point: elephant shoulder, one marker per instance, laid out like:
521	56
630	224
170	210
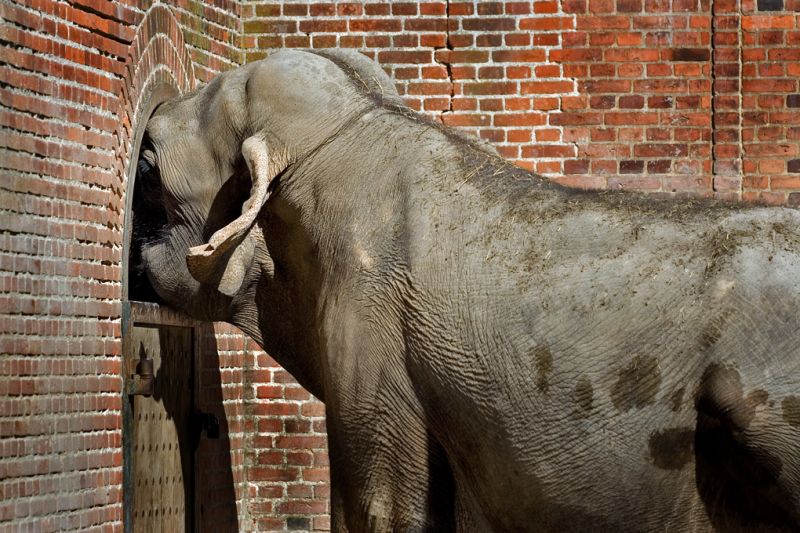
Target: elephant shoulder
303	97
364	72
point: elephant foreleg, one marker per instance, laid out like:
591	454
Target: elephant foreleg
389	478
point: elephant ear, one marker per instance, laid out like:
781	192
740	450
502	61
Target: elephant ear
224	260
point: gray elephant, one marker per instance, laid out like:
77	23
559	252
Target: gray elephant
495	352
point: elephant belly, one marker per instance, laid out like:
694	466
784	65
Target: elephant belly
579	479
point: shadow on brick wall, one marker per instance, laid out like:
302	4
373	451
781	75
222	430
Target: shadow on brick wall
216	494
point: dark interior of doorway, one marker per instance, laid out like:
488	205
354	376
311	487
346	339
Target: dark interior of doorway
148	218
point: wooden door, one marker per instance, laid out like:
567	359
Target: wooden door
160	428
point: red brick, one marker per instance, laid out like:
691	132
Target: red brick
520	72
488	40
546	23
518	136
433	8
519	56
425	24
520	119
273	474
376	8
323	41
461	56
489	24
491	72
576	166
429	88
569	119
761	22
546	87
403	56
628	118
660	150
349	9
467	120
310	26
548	151
375	25
322	10
482	88
548	104
631	167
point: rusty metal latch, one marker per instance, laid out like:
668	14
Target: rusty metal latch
143	382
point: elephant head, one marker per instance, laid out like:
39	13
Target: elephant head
210	162
213	155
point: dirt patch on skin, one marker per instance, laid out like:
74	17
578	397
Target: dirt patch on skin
583	396
722	397
672	449
543	358
791	410
533	199
713	330
676	399
790	236
637	384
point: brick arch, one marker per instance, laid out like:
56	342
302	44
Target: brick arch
158	66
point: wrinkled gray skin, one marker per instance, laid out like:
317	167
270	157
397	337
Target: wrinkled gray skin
495	353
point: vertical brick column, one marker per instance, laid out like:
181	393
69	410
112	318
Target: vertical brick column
727	98
771	100
287	460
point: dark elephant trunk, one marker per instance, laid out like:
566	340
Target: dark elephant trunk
164	263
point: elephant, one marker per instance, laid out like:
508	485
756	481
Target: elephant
495	352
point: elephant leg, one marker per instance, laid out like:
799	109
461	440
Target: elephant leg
389	477
338	524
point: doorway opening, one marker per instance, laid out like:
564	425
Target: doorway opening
172	408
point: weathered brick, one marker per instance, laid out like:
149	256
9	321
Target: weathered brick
690	54
375	25
489	24
631	167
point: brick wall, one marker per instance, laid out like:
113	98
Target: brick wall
770	99
73	78
672	97
652	95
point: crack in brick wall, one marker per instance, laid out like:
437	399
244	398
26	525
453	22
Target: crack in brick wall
448	46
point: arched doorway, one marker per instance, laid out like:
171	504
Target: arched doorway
167	438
